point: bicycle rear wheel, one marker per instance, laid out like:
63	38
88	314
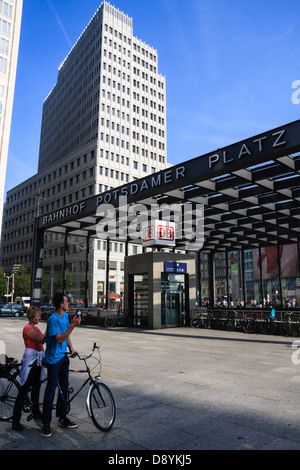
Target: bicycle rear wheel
9	389
250	326
127	322
101	406
269	327
296	328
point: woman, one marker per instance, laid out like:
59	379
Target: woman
32	370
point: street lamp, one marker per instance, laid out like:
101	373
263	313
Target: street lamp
7	289
14	270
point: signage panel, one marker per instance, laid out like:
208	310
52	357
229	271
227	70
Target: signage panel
174	267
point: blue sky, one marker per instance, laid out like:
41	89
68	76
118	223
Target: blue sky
229	67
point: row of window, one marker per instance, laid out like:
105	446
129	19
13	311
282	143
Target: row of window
114	32
117	86
22	259
117	247
135	135
116	157
43	208
39	198
69	199
125	145
6	9
113	112
123	38
64	170
121	61
119	175
19	234
112	265
121	101
19	246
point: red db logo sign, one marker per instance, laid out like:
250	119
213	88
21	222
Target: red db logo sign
165	232
159	233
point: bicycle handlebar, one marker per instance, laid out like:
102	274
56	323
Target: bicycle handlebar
86	357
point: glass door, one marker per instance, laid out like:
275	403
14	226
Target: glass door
173	309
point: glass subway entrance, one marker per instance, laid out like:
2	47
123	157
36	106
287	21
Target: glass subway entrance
173	299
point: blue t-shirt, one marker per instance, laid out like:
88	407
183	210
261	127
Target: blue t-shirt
55	326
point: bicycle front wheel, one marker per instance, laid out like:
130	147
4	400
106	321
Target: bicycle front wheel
109	322
101	406
9	389
195	322
230	325
286	328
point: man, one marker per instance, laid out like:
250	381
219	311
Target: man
58	334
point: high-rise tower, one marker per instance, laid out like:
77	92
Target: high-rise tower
108	89
10	26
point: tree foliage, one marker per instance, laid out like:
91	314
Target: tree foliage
22	282
3	283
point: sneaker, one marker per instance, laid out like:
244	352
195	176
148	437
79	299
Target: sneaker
17	426
66	423
46	431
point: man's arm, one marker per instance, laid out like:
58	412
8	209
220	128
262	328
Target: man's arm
73	352
61	338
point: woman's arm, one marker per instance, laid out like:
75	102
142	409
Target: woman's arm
32	334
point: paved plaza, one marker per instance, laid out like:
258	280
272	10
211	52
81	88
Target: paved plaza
177	390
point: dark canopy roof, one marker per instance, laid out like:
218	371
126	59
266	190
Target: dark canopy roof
250	191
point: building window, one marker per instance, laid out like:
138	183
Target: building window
101	264
3	64
113	266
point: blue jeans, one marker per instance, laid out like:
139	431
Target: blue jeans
58	373
34	381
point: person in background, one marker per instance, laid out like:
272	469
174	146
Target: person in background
32	370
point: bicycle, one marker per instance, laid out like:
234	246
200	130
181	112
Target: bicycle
117	320
100	402
288	327
198	321
234	322
266	326
9	387
251	324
